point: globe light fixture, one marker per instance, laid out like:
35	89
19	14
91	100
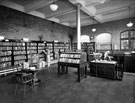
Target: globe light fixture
129	24
93	29
53	6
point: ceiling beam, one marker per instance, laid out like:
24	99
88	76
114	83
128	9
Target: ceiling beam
1	1
21	8
72	19
114	8
91	10
83	23
12	5
94	3
60	13
38	14
37	4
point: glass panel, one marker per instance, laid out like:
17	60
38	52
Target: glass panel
133	44
132	34
124	34
124	44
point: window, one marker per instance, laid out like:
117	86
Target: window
127	40
103	41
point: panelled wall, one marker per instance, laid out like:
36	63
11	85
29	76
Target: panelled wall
113	27
17	25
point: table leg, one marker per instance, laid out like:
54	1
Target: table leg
58	69
85	71
79	78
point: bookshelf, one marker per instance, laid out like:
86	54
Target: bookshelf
19	52
15	52
85	47
50	46
6	58
41	47
5	54
31	49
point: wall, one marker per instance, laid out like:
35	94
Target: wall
17	25
113	27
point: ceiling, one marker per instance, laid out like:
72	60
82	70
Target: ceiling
101	10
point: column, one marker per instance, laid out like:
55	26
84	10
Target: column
78	27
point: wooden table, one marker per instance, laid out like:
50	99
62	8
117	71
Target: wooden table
106	69
81	69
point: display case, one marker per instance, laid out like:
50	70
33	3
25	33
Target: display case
73	59
127	40
106	69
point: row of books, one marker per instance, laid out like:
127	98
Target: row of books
19	57
5	53
69	60
32	44
19	52
41	44
4	59
19	62
5	44
5	48
31	51
41	47
18	44
70	55
19	48
32	47
4	65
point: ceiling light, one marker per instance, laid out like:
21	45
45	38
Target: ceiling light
129	24
53	6
93	29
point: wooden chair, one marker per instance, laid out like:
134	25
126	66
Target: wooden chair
23	80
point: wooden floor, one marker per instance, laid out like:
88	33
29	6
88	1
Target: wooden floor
66	89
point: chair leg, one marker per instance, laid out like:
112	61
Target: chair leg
16	87
24	89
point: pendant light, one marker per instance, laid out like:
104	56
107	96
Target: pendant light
129	24
93	29
53	6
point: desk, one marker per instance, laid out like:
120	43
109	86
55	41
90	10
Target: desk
34	72
104	69
81	69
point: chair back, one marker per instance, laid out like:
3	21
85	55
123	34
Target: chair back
24	77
